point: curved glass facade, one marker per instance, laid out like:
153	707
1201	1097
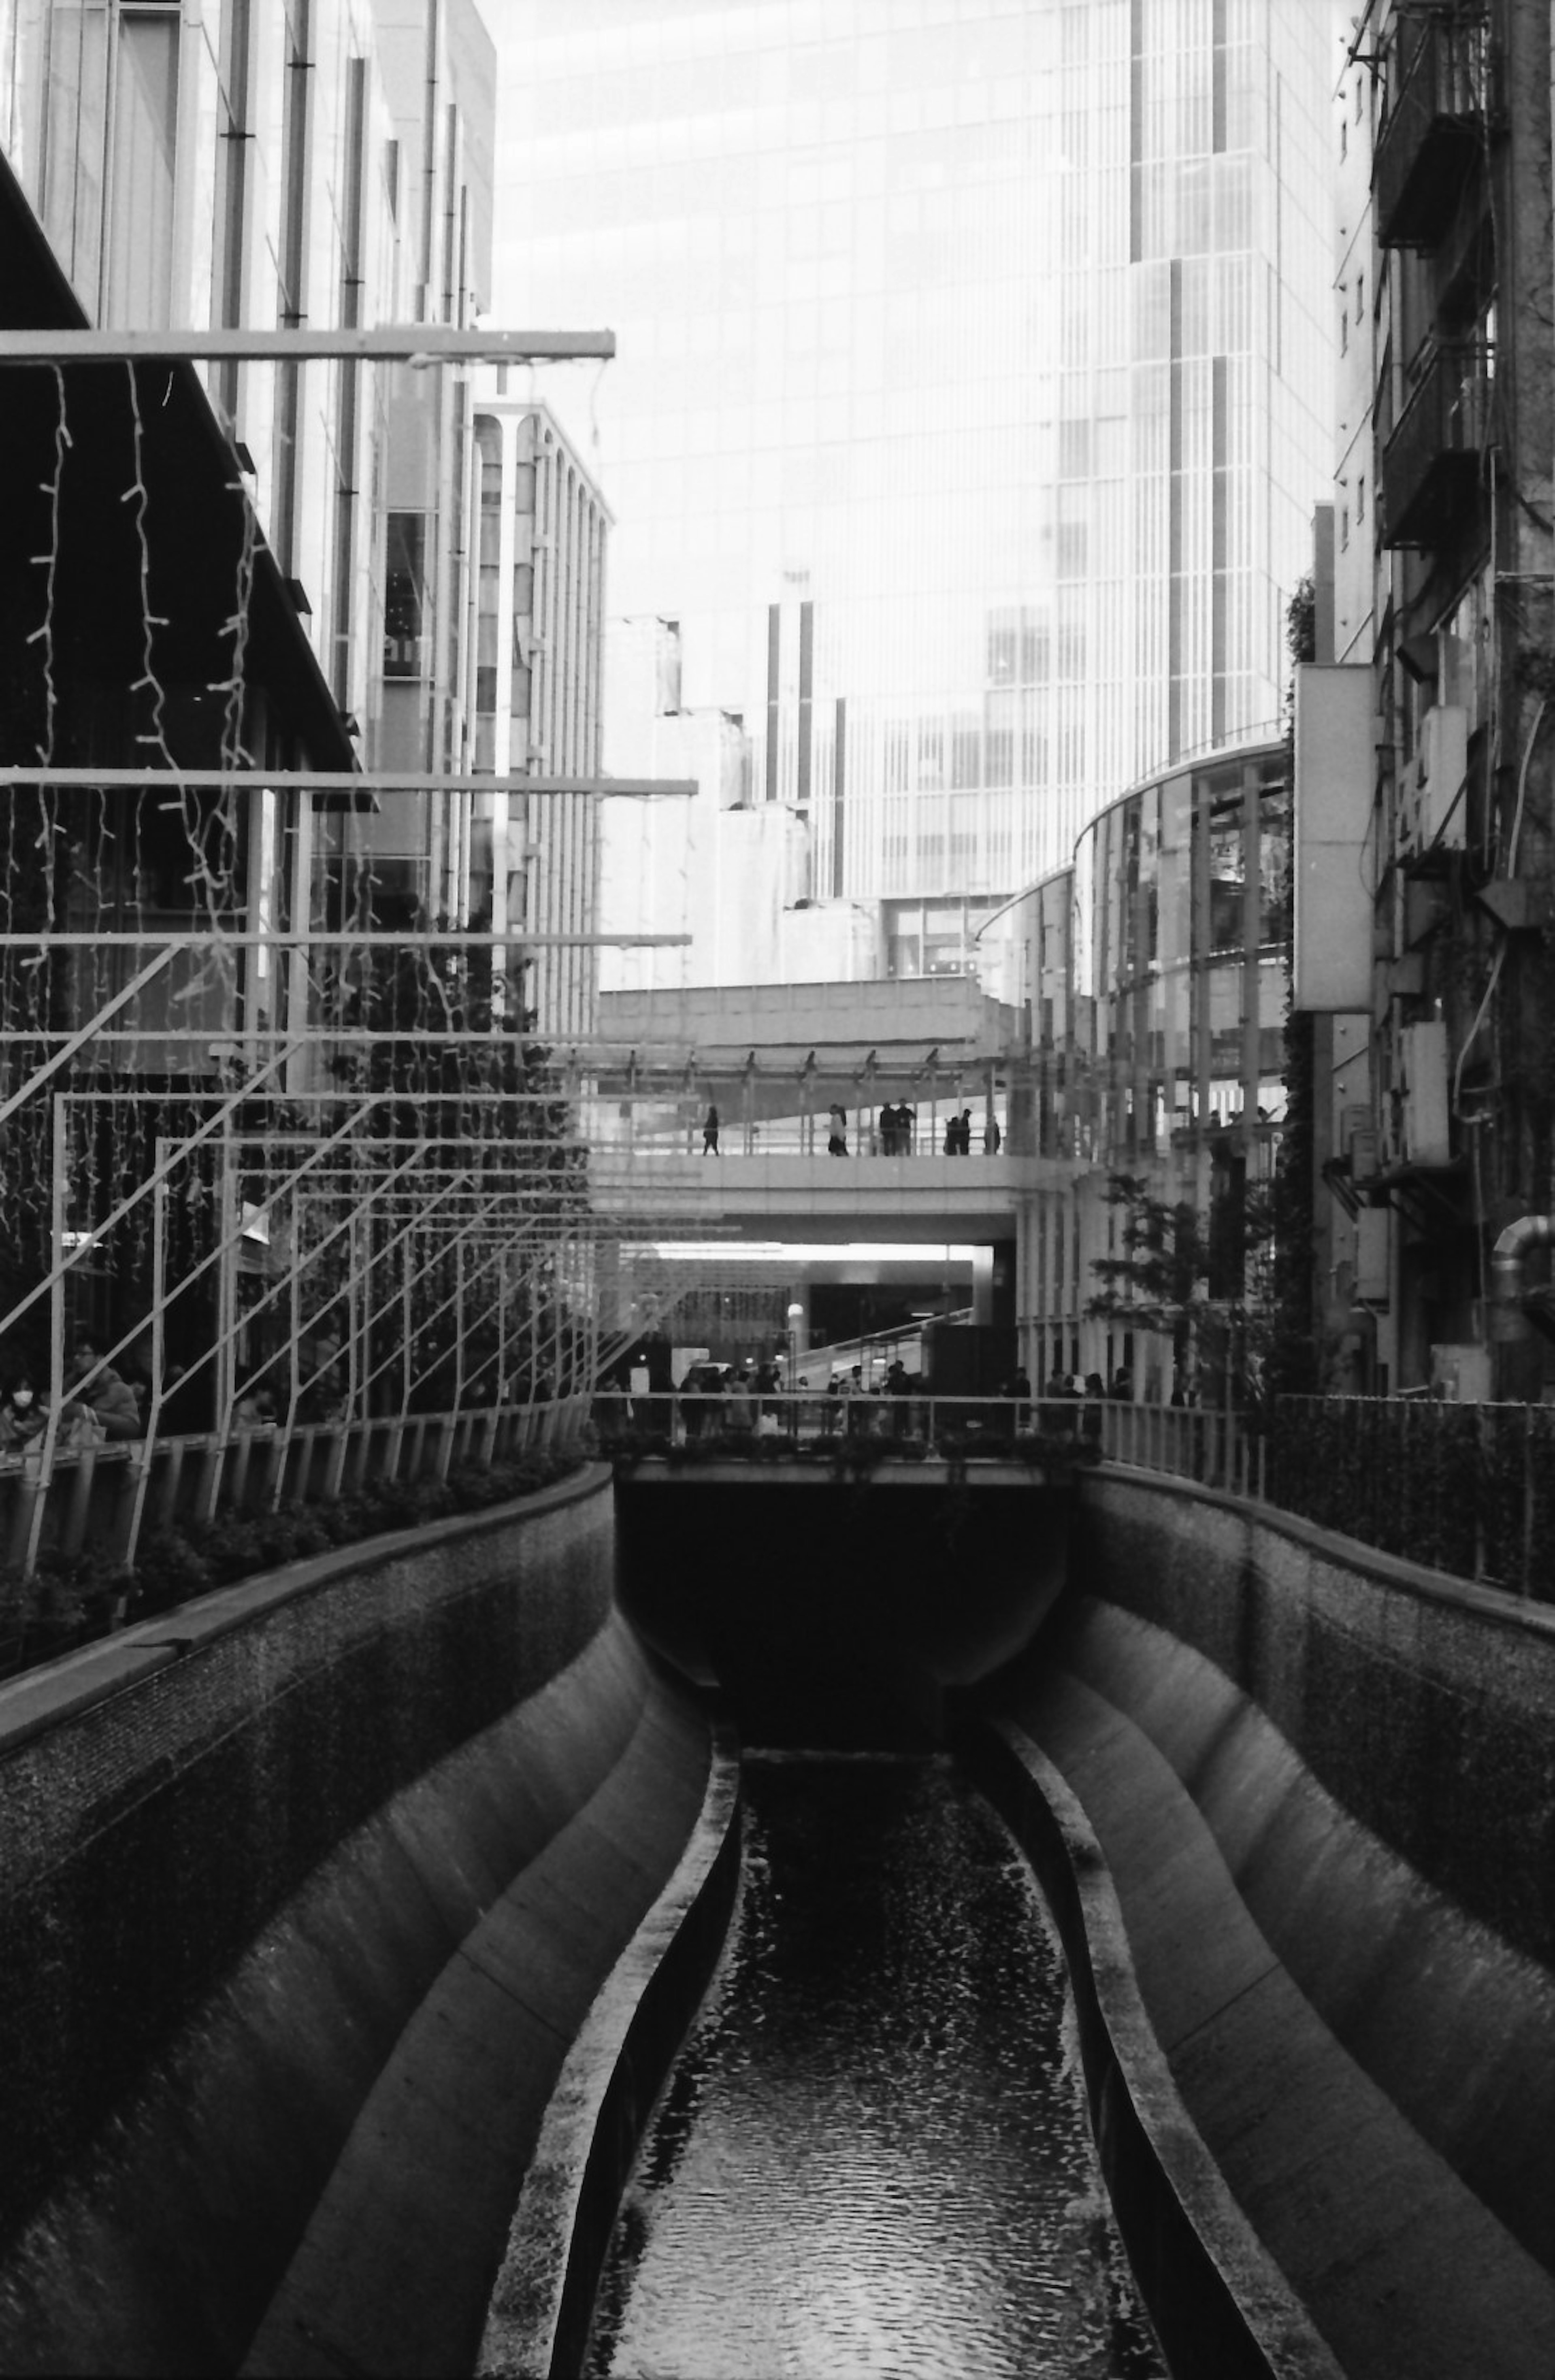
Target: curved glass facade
1159	967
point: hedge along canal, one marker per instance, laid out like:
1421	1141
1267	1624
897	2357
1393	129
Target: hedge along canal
872	2153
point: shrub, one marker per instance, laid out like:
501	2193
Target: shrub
168	1569
190	1557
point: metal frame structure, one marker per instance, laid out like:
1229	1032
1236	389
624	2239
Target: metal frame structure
464	1226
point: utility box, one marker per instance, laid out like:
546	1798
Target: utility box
1462	1374
1373	1238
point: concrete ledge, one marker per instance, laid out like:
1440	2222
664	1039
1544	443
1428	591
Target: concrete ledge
1219	2301
46	1698
1493	1604
542	2308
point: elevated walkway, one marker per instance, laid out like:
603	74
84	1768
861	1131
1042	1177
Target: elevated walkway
932	1198
946	1018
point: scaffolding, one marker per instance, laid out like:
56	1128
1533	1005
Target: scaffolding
278	1156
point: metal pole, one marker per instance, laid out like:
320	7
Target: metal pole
144	1453
57	1213
458	1325
229	1216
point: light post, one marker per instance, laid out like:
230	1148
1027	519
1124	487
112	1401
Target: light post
796	1316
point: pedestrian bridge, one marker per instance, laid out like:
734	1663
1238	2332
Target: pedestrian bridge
771	1061
774	1195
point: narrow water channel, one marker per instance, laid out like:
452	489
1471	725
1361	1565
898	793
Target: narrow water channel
872	2155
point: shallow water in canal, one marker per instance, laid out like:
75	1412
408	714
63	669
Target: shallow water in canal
872	2156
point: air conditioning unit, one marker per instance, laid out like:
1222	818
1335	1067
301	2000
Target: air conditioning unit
1431	803
1358	1141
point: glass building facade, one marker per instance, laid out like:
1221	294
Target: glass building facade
972	390
1158	974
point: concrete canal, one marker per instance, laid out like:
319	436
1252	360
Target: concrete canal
872	2155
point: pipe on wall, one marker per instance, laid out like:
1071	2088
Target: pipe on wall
1506	1318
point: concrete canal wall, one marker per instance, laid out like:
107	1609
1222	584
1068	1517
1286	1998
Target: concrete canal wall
309	1887
1324	1784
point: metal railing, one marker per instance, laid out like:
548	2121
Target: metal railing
107	1497
1467	1489
1431	131
1439	439
1464	1488
796	1136
1214	1448
738	1424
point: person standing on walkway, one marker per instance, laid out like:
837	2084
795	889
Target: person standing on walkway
710	1133
888	1130
837	1139
740	1407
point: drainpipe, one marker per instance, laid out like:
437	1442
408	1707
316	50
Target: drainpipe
1506	1319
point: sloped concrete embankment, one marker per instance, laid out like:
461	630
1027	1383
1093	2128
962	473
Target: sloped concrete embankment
1218	2302
543	2304
309	1892
1324	1783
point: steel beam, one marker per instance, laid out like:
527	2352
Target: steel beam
260	779
388	343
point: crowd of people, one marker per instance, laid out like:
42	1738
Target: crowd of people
752	1398
102	1405
98	1405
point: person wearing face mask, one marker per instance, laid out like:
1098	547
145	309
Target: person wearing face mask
22	1416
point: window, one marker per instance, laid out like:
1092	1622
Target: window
345	423
291	300
1001	652
140	216
1000	739
233	189
405	597
965	753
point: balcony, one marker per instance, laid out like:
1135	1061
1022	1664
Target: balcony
1437	457
1431	134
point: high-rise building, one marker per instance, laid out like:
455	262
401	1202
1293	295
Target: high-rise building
193	581
531	864
972	392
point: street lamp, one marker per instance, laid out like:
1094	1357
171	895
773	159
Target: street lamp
796	1316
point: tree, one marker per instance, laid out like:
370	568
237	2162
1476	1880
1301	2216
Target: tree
1186	1275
